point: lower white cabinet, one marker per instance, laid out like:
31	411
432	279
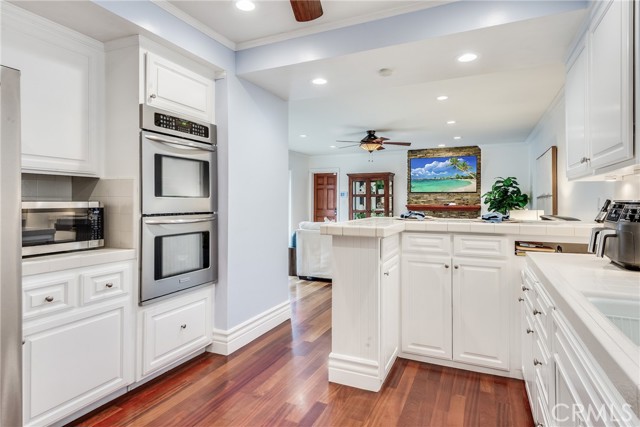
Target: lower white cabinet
76	350
480	312
173	329
456	307
390	312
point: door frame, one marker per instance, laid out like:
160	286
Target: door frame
313	171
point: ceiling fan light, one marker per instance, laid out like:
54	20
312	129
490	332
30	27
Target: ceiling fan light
370	146
245	5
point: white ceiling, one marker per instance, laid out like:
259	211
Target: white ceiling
497	99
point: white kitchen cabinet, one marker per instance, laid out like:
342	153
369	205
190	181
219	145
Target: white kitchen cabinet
455	299
172	87
599	93
426	305
62	93
174	329
611	83
390	312
74	353
480	312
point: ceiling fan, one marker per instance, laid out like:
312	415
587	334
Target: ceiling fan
306	10
372	143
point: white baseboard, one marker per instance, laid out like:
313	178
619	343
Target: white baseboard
226	342
354	372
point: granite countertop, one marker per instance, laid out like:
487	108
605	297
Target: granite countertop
78	259
383	227
570	279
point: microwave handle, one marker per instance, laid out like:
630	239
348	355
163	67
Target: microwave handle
174	141
153	221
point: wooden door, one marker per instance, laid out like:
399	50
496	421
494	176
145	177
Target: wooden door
324	196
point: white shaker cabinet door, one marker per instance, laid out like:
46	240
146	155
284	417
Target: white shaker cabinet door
172	87
390	315
576	113
481	313
611	84
426	305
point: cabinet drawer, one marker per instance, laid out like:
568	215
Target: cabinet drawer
540	363
173	331
427	243
476	246
390	247
49	296
98	285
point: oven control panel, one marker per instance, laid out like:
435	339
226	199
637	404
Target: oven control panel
180	125
628	211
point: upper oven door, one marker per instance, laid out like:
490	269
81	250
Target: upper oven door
178	175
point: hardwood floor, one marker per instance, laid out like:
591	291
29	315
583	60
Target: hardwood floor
281	380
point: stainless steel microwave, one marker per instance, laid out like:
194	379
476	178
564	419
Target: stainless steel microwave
50	227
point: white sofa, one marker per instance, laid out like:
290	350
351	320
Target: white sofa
313	252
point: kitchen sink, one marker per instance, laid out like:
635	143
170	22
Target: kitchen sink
623	313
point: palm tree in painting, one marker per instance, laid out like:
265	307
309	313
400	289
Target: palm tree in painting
462	166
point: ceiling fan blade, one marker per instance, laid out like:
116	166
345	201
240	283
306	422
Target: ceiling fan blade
339	140
406	144
380	148
382	138
306	10
348	146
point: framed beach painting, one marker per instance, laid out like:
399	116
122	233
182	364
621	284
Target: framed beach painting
451	174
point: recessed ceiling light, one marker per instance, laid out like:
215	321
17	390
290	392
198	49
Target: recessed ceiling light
451	122
245	5
467	57
319	81
442	97
303	136
441	145
332	146
610	178
457	137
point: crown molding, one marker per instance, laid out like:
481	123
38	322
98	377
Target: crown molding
188	19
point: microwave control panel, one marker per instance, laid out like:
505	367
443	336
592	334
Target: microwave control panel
181	125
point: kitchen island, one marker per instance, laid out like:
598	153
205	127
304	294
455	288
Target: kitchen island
442	291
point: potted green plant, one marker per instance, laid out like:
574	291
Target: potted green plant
505	195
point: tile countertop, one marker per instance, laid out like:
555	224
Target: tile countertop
383	227
567	278
70	260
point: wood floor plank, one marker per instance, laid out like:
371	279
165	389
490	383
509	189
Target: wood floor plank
281	379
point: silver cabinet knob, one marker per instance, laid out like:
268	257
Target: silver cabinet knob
456	267
183	326
536	362
520	299
386	273
48	299
530	331
525	289
152	96
109	285
446	266
536	312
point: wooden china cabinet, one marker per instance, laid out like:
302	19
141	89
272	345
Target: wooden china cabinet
370	194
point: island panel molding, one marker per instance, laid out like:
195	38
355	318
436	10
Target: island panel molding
434	203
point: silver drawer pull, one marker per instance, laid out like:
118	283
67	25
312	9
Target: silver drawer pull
183	326
536	362
48	299
109	285
456	267
446	266
520	299
152	96
386	273
536	312
530	331
525	289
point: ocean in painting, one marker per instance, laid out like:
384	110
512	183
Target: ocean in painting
442	185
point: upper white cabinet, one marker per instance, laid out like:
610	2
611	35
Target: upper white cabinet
62	93
172	87
599	92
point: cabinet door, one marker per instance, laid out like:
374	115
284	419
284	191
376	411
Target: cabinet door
611	84
74	364
576	113
426	305
61	99
481	313
390	313
172	87
526	343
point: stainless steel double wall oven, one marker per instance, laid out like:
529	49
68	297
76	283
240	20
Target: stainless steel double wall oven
179	203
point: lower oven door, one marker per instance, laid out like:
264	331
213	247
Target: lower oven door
178	253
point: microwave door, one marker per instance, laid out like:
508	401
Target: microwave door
177	175
178	253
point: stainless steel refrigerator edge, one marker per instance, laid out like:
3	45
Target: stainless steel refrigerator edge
10	244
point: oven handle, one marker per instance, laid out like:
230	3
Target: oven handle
179	220
172	141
